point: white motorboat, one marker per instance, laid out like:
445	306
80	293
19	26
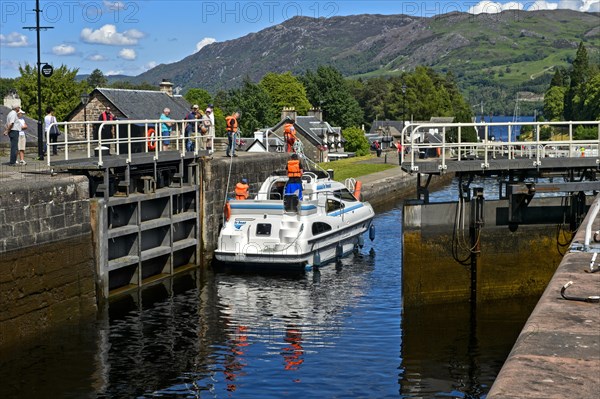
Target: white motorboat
277	229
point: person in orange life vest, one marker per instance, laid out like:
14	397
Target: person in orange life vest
294	171
241	190
232	129
106	133
289	134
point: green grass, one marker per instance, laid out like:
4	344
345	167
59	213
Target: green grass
355	167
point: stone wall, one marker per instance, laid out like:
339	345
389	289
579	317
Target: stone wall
46	254
214	185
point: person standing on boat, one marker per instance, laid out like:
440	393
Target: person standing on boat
232	128
289	134
241	190
294	171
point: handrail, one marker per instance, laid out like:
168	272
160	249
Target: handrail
413	134
177	136
588	228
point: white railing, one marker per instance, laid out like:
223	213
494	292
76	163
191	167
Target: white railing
485	149
79	143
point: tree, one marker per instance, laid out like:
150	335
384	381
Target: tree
327	88
61	90
285	90
6	85
198	96
255	105
580	73
591	103
554	102
97	79
356	141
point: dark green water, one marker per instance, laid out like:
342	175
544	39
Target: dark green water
338	333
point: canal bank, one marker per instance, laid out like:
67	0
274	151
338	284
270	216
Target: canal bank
557	354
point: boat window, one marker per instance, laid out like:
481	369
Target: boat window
344	194
332	205
263	229
320	227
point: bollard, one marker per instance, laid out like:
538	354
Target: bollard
385	158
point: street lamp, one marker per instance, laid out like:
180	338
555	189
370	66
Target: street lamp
85	98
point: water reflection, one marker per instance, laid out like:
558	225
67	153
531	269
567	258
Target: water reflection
337	332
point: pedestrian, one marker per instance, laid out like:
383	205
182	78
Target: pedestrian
294	172
232	130
241	189
399	150
22	138
53	132
13	127
165	128
191	128
107	131
209	122
377	148
289	135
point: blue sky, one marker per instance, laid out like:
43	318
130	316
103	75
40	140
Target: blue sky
130	37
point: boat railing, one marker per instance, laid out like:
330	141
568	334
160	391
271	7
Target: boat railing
455	142
83	140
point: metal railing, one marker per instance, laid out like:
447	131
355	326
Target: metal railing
485	148
79	142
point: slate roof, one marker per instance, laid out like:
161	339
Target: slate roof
379	126
140	104
311	128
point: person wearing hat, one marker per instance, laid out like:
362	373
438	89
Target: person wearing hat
13	127
231	124
191	127
22	142
209	122
241	189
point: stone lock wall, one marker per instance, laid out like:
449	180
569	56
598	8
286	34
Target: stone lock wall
214	177
46	254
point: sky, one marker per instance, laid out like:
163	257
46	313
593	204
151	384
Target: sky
131	37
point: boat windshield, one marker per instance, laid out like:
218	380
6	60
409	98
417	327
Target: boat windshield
344	194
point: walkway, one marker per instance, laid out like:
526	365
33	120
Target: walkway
557	354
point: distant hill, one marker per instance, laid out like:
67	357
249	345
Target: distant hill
110	78
507	52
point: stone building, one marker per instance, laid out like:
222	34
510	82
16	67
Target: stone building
318	137
128	104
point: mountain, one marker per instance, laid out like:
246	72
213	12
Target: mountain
513	49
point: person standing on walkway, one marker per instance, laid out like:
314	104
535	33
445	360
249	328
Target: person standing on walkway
13	127
53	133
232	129
209	122
191	128
22	138
289	135
165	128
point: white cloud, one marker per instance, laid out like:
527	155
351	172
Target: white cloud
493	7
108	35
114	5
204	42
150	65
542	5
591	6
127	54
63	49
13	39
113	72
96	57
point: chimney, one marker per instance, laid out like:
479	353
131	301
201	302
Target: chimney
288	112
317	113
166	87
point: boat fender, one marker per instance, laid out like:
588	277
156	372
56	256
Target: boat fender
361	241
357	188
227	211
339	251
372	232
317	259
151	139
